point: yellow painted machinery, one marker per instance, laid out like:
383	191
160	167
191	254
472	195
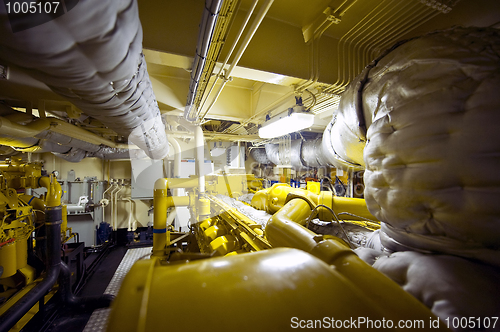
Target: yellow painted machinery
23	215
279	277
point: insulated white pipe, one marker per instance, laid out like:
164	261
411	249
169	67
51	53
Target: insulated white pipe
103	196
177	155
177	160
207	26
200	152
115	224
132	226
200	158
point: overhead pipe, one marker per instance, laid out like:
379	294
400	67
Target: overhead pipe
107	81
200	152
53	135
114	220
177	156
259	155
177	159
131	226
227	75
207	25
47	128
314	153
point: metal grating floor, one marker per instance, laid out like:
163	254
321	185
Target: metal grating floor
99	319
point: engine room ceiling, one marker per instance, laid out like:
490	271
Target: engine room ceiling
277	63
278	58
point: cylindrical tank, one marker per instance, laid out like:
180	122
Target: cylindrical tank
8	259
21	253
269	290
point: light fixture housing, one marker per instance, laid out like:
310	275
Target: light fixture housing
289	123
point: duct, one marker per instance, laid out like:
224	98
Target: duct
91	55
177	156
433	142
330	153
60	138
47	146
295	154
112	153
312	153
18	142
74	155
272	153
66	140
207	25
260	156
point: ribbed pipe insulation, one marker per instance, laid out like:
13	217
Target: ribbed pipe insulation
260	156
309	154
65	147
272	153
92	56
430	107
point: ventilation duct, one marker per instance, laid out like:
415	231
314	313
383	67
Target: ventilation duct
272	152
431	111
260	156
91	55
312	153
61	144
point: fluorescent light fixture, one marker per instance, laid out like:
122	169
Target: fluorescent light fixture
286	125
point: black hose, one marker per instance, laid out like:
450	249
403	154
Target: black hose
83	303
53	220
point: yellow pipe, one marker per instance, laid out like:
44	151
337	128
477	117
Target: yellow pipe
17	143
162	202
54	190
58	126
283	230
35	202
272	199
61	127
30	130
